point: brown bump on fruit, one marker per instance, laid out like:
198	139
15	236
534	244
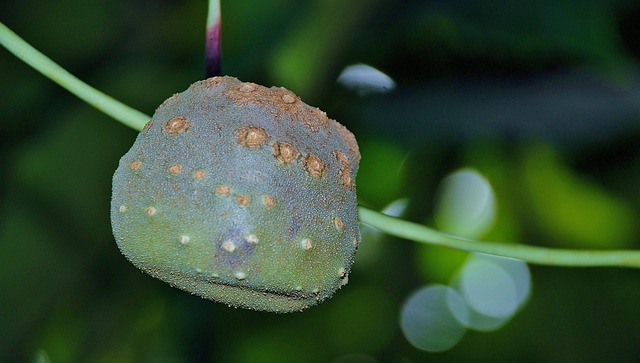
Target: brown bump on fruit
222	189
175	169
251	136
135	165
306	244
229	246
175	125
150	211
243	200
341	157
345	177
338	223
287	98
284	152
198	174
268	201
350	140
147	126
314	166
246	88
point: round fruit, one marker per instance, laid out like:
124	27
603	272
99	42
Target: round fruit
241	194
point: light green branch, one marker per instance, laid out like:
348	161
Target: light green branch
113	108
390	225
537	255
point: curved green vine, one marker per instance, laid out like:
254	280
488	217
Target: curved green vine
390	225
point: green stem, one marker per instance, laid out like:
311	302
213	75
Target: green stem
113	108
538	255
390	225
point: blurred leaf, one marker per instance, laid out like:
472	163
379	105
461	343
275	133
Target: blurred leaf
35	268
382	172
571	210
305	61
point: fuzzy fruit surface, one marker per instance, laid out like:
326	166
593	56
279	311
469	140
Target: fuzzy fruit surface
241	194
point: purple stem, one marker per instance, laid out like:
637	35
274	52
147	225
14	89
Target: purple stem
212	49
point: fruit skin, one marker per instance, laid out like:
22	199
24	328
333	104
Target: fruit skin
241	194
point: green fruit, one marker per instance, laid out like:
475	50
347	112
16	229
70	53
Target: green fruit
240	194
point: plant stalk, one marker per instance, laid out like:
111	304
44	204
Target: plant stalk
110	106
212	44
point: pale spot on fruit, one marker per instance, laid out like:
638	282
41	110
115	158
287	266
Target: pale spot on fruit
175	125
240	275
229	246
198	270
306	244
198	174
284	152
122	209
268	201
184	239
314	166
222	189
251	238
247	88
175	169
251	136
135	165
342	272
150	211
243	200
288	99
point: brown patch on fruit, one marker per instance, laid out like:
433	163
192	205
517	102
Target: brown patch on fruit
268	201
338	223
250	136
243	200
222	189
198	174
344	174
150	211
314	166
147	126
175	125
135	165
175	169
284	152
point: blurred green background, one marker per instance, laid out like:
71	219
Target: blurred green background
542	98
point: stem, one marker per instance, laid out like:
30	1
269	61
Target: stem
113	108
390	225
212	45
537	255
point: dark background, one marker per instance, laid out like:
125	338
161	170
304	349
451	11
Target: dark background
541	97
